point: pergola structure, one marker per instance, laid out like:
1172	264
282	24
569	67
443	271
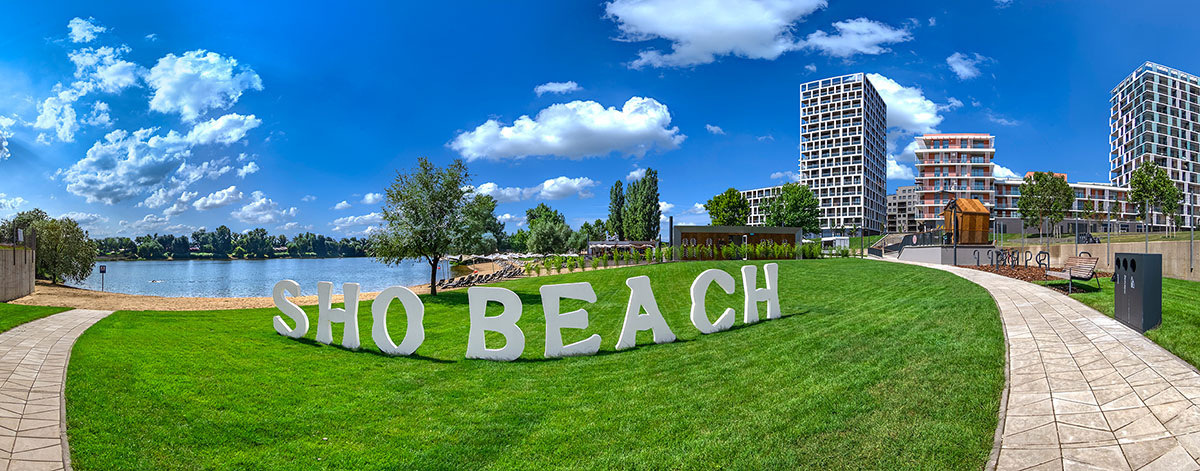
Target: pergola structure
602	247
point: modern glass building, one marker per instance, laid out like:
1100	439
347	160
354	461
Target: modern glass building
1155	116
843	151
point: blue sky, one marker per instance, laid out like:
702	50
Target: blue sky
164	117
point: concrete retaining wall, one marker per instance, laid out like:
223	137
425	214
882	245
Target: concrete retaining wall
16	273
944	255
1175	255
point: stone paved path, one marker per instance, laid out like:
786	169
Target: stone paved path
33	363
1086	392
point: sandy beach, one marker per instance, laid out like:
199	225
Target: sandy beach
46	294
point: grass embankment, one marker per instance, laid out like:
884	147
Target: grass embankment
12	315
874	365
1180	317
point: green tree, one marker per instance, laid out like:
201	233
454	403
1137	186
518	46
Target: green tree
519	241
478	235
222	242
729	208
1044	198
257	243
22	221
641	212
548	236
150	249
795	206
64	250
1151	189
424	214
543	212
616	210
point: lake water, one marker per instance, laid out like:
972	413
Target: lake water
248	278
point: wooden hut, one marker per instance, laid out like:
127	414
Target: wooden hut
973	221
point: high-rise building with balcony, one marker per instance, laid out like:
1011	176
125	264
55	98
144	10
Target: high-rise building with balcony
758	199
1155	116
843	130
951	166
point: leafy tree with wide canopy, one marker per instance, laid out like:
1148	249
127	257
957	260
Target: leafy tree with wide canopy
1044	198
1151	189
548	236
729	208
795	206
64	250
425	213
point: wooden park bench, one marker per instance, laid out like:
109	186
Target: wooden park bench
1078	268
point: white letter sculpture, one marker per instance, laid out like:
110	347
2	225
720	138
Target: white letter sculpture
700	289
413	308
327	315
505	324
577	319
293	311
641	297
770	294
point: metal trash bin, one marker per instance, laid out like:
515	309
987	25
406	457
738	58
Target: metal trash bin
1137	286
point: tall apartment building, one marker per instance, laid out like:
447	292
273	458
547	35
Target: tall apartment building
1155	116
758	198
951	166
843	126
902	210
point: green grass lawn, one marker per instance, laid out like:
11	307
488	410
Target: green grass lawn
874	365
1180	330
12	315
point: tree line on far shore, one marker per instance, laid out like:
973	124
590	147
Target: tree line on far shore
223	244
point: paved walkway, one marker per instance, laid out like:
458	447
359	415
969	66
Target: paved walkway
33	364
1086	392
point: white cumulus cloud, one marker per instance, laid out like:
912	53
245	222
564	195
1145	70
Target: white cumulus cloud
714	129
82	31
124	164
343	205
907	107
551	189
350	222
247	169
90	220
857	36
308	198
372	198
1000	171
898	171
966	66
181	204
218	199
788	175
5	134
636	174
575	130
502	194
198	81
557	87
8	203
224	130
702	31
149	223
262	210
